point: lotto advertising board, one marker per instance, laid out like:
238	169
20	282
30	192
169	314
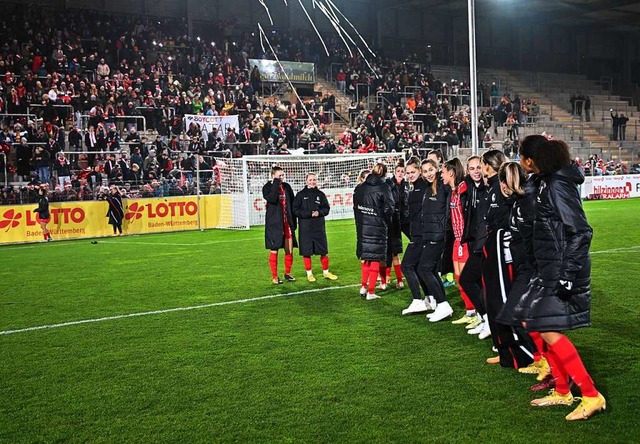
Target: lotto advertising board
340	201
611	187
75	220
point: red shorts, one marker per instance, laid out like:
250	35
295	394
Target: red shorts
460	252
287	231
45	221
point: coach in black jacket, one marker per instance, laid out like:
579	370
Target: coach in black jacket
280	223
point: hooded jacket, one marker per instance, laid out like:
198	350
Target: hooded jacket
561	238
373	207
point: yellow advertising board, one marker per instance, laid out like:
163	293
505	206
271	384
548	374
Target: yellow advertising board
74	220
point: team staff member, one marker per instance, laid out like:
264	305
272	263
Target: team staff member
373	207
435	217
559	297
311	206
411	257
280	223
44	217
115	213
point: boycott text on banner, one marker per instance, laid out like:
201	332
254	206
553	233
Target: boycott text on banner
298	72
340	201
75	220
209	122
611	187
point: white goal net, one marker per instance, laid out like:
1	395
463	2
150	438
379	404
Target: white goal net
241	182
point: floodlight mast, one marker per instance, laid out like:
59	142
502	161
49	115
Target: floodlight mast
473	77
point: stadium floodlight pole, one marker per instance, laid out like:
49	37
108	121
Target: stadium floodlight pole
198	189
245	189
473	76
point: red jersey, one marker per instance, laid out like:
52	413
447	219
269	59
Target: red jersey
457	214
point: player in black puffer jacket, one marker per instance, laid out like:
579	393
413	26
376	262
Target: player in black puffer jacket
559	296
435	217
373	207
412	254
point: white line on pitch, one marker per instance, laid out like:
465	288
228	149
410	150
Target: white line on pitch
618	250
175	244
170	310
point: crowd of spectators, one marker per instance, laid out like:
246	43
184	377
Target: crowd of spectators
110	92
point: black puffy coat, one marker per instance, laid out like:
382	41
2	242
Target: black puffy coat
416	195
475	211
373	208
274	222
312	232
435	212
403	199
562	238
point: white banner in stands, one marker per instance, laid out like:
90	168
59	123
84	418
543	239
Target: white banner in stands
340	201
208	122
610	187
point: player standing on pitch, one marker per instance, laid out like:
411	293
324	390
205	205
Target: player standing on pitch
280	223
311	206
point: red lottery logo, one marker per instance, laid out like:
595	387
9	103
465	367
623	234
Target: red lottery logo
11	219
135	212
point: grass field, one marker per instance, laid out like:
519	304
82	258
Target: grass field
299	362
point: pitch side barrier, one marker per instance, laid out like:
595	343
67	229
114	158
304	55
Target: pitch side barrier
77	220
611	187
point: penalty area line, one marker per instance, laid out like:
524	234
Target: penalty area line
170	310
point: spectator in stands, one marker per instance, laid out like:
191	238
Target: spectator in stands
63	169
41	161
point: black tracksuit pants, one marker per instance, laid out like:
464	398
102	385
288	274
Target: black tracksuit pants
471	282
428	269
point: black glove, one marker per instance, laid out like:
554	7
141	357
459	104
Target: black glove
564	288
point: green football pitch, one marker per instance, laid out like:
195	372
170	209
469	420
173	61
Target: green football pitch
183	338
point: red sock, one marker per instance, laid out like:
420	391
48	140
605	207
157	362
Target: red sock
398	270
307	262
273	263
365	273
324	260
388	274
558	372
468	305
288	262
46	236
374	269
383	274
537	339
570	359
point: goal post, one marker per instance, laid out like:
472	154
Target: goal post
241	181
